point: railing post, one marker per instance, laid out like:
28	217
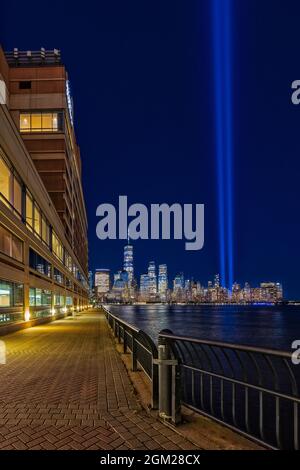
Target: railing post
164	373
169	383
134	367
119	333
124	341
155	385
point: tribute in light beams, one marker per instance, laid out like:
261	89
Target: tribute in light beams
222	48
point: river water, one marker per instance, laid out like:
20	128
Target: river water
267	326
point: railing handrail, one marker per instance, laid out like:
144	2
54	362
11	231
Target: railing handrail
224	344
123	322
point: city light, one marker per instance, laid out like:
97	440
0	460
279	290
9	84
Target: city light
222	54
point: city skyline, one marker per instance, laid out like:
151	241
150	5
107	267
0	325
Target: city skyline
156	285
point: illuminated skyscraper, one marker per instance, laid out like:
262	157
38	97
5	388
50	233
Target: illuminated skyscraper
217	281
102	281
162	281
144	287
152	279
128	262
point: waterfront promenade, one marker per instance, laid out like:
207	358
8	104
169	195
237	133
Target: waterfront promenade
64	386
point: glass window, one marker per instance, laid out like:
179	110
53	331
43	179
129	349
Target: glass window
32	296
57	246
46	297
18	295
36	122
41	122
5	180
55	122
17	249
5	241
17	196
47	121
38	263
37	220
10	245
38	297
29	210
25	122
5	294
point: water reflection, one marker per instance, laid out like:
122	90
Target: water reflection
271	326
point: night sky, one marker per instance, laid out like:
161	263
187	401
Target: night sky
142	82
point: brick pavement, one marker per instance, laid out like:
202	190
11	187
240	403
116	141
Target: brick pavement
65	387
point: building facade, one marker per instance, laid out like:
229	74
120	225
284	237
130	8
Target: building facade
102	282
43	225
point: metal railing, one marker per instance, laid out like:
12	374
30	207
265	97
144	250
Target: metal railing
254	391
142	348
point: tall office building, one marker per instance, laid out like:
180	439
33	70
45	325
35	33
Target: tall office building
144	287
271	292
217	281
152	279
43	227
163	281
102	282
128	263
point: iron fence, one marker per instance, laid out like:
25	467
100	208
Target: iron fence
254	391
142	348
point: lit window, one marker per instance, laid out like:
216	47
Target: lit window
5	294
5	180
40	122
10	245
29	210
17	196
36	122
37	220
25	122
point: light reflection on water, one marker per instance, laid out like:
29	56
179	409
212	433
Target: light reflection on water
267	326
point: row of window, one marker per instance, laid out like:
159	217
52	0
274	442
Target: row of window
11	294
44	121
13	193
10	245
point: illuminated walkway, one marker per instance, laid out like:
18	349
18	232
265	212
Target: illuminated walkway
65	387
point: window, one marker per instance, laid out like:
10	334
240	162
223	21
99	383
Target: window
11	294
58	276
25	85
37	219
39	297
17	196
5	294
38	263
10	187
29	211
58	300
10	245
45	230
46	121
5	180
57	247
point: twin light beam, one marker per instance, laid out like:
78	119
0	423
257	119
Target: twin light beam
222	61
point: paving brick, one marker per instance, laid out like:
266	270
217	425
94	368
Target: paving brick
65	387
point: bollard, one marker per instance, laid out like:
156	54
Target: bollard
164	374
169	399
